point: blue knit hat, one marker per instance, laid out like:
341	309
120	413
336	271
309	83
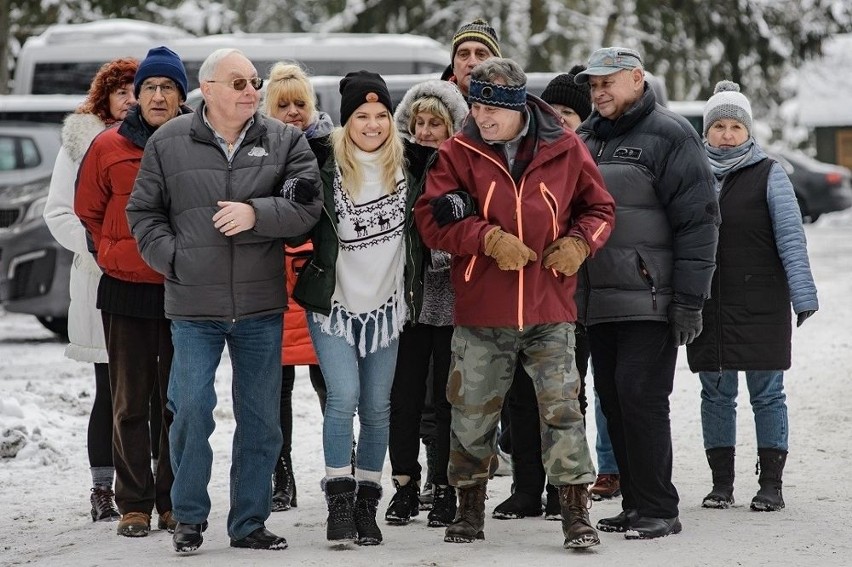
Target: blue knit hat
161	62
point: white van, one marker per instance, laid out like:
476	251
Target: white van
64	58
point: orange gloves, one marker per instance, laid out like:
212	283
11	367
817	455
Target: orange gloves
566	254
508	250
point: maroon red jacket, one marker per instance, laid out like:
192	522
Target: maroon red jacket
561	193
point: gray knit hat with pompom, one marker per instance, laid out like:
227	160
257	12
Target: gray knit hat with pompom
727	102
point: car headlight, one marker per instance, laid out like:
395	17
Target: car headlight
35	210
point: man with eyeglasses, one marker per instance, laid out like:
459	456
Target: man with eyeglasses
130	294
216	195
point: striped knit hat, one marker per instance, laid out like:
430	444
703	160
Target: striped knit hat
477	30
727	102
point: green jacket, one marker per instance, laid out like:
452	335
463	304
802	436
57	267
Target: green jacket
318	278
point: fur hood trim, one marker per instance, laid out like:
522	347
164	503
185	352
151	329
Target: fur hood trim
447	92
78	131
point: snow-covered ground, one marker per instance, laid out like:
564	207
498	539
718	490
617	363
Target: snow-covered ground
44	504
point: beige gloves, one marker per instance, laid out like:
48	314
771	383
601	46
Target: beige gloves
508	250
566	255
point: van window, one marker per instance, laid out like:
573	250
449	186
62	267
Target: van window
18	153
65	62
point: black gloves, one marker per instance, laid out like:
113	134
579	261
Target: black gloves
685	322
801	317
299	191
452	207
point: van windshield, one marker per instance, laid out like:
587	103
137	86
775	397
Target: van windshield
75	77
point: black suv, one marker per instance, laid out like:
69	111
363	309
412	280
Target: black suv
34	268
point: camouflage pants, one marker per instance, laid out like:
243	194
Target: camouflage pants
481	373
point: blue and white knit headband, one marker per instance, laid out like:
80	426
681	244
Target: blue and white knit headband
501	96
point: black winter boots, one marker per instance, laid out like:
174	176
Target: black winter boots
576	527
469	522
405	503
443	507
721	461
771	467
283	486
366	504
340	497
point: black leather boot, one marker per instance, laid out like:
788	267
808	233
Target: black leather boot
721	461
283	486
771	467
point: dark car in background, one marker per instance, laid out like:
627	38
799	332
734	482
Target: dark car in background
34	268
820	187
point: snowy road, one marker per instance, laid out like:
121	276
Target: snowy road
44	509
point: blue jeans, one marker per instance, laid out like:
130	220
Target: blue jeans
355	384
719	408
603	446
255	349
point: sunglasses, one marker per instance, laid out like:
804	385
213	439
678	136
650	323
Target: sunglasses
241	83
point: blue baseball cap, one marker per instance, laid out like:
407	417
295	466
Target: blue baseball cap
608	60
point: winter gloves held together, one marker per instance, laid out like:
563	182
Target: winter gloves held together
801	317
566	254
508	250
299	191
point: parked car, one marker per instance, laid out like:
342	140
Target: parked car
34	268
820	187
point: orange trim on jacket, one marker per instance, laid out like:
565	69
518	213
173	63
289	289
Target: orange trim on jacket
570	201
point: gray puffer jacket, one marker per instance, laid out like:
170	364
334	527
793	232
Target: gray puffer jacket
184	173
663	245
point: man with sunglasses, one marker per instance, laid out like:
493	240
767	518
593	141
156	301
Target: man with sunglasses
130	293
216	195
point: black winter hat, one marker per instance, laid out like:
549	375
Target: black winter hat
563	90
359	87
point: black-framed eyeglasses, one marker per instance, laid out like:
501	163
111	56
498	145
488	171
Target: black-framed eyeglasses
241	83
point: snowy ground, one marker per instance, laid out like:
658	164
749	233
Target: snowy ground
44	507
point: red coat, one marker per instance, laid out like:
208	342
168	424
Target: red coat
561	193
104	182
296	348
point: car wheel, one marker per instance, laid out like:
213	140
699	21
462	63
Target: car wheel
58	325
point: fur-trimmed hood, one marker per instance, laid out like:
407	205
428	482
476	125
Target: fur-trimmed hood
78	131
448	93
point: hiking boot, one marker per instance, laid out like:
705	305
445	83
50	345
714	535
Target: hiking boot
518	505
166	521
606	486
366	504
469	522
103	505
134	524
340	497
404	505
576	527
771	467
283	486
443	508
552	508
620	523
721	461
